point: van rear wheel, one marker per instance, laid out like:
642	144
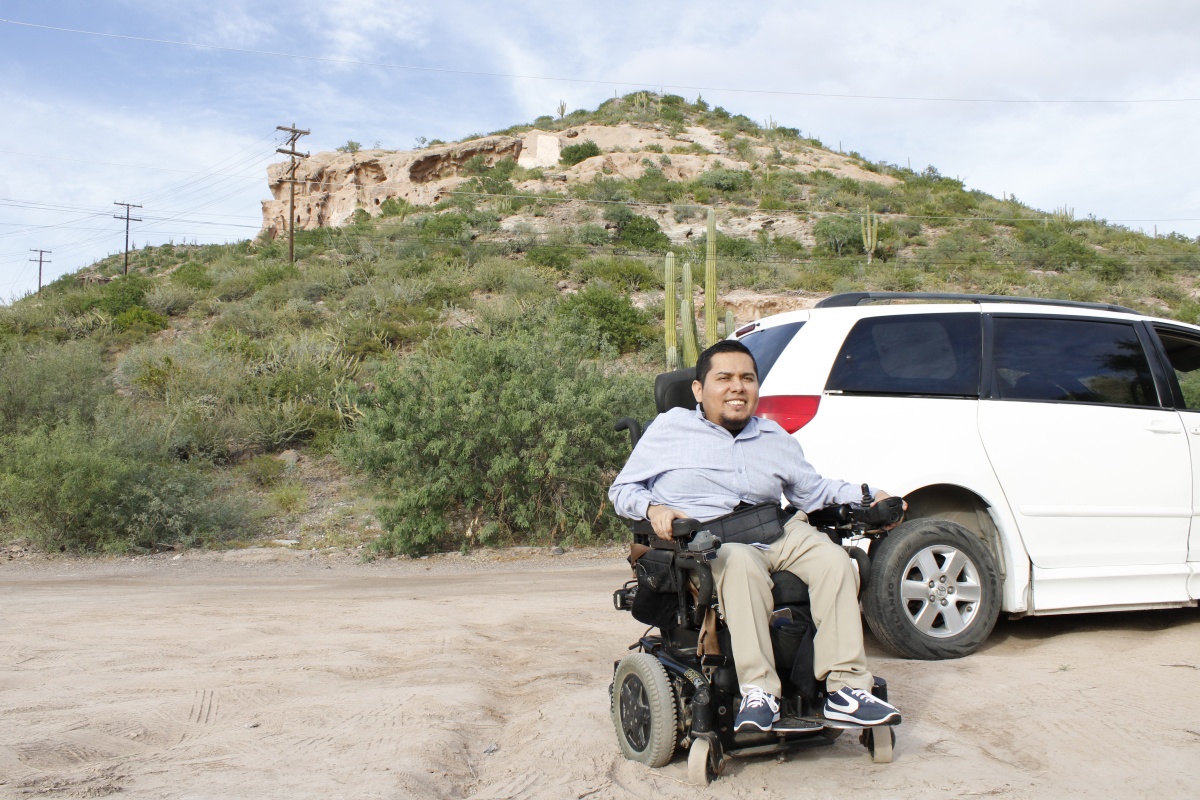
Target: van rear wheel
934	590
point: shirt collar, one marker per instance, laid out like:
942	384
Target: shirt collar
749	432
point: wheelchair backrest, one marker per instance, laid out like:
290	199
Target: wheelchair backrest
674	390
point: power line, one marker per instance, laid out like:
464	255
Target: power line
448	71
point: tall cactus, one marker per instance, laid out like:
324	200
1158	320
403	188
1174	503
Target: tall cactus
869	225
728	322
710	282
687	318
669	312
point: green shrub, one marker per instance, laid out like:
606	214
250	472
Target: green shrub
194	275
47	384
572	154
107	488
609	314
123	294
623	272
453	225
265	470
557	258
635	231
140	320
838	235
725	180
518	447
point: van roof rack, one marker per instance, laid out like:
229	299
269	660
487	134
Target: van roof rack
849	299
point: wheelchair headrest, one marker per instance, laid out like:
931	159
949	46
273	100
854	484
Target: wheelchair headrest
674	390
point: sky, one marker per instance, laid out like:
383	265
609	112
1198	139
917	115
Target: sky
1090	105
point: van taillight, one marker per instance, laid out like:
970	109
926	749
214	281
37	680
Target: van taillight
791	411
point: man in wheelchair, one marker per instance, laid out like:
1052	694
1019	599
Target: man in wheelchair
704	463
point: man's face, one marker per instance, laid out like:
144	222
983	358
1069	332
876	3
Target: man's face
729	393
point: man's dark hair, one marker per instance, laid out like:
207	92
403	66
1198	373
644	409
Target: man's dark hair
704	363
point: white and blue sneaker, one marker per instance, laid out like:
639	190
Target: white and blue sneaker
860	707
759	710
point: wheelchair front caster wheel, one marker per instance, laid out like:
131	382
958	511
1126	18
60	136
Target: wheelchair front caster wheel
879	743
699	772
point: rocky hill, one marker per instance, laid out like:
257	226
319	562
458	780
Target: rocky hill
463	321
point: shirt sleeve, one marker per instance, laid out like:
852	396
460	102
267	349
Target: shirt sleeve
630	492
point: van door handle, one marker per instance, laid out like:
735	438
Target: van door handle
1194	430
1162	427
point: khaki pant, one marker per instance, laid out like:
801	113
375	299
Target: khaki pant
743	578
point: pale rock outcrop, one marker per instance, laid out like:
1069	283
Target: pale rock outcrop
331	186
539	149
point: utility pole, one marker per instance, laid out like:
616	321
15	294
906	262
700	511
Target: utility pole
128	220
41	260
294	135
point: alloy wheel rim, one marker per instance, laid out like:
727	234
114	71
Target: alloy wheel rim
940	591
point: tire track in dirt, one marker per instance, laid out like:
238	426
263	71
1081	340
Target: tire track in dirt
391	682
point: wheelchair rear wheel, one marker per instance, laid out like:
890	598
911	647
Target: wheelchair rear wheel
643	710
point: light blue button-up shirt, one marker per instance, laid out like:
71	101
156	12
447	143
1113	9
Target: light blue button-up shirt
688	463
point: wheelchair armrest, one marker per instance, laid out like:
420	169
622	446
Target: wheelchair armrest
633	426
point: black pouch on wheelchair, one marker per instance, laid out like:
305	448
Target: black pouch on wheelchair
793	645
760	524
657	598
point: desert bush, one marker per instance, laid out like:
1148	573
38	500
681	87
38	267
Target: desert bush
725	180
264	470
46	384
140	320
635	231
572	154
520	446
626	273
194	275
557	258
838	235
109	487
170	300
606	317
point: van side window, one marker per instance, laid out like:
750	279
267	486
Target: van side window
920	354
1183	351
1071	361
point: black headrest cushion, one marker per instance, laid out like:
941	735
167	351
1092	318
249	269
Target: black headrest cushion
674	390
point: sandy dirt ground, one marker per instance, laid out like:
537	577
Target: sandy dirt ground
270	675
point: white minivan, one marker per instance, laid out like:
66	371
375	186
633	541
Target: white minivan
1049	452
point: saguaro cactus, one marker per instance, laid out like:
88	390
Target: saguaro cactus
870	233
687	318
728	322
710	282
669	311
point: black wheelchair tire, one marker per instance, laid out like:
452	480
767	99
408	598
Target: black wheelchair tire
643	710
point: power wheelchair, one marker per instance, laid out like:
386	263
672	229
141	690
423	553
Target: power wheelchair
679	690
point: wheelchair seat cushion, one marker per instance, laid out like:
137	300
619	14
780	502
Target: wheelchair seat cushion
788	590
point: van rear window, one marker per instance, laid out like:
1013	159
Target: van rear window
767	344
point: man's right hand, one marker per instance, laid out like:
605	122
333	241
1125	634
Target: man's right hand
661	518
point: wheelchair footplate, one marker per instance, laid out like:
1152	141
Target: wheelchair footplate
799	725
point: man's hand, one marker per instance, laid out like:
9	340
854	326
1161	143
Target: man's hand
882	495
661	518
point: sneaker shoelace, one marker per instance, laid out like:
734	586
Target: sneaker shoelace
754	697
864	696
